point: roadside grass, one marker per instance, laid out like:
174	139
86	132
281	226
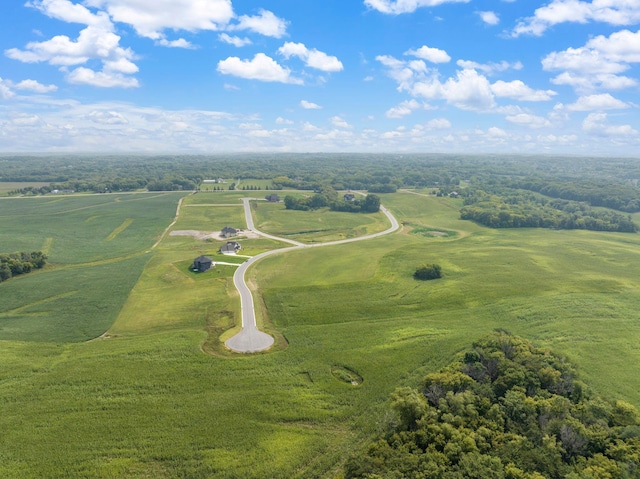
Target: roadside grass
315	226
147	402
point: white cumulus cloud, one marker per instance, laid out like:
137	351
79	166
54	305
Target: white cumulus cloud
339	122
526	119
396	7
596	124
598	64
489	68
599	102
519	91
233	40
96	42
265	23
403	109
151	18
103	79
33	85
261	67
312	58
613	12
5	90
433	55
307	105
490	18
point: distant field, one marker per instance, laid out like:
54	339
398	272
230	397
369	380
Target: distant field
315	226
200	411
7	186
85	228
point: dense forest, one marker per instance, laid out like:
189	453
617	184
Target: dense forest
504	409
14	264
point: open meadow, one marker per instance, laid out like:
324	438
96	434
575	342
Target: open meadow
159	396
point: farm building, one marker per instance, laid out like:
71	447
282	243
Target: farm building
228	232
202	264
273	198
232	247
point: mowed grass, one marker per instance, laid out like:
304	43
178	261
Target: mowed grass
149	402
315	226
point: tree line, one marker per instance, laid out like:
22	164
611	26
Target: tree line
504	409
329	198
14	264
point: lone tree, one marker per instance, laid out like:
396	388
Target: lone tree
428	271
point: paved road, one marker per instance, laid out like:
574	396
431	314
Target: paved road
251	339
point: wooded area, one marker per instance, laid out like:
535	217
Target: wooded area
504	409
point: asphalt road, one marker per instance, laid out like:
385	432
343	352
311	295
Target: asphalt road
251	339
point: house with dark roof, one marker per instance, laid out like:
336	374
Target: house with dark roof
232	247
202	264
273	198
349	197
228	232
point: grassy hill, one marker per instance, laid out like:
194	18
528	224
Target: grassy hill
148	401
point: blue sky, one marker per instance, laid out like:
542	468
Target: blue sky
215	76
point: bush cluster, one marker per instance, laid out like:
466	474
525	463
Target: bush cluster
14	264
428	271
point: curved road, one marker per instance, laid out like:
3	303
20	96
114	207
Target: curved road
251	339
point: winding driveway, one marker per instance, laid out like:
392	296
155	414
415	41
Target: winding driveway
251	339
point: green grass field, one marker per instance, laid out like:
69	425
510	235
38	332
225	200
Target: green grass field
160	397
315	226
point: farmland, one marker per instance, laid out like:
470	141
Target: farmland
159	396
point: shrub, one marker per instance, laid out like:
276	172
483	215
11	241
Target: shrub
428	271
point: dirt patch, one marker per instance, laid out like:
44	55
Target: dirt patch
214	235
437	233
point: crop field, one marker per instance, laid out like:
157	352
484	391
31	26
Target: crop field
159	395
85	228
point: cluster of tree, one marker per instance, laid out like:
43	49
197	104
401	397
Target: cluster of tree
251	188
622	197
504	410
329	199
528	210
14	264
31	191
176	183
428	271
